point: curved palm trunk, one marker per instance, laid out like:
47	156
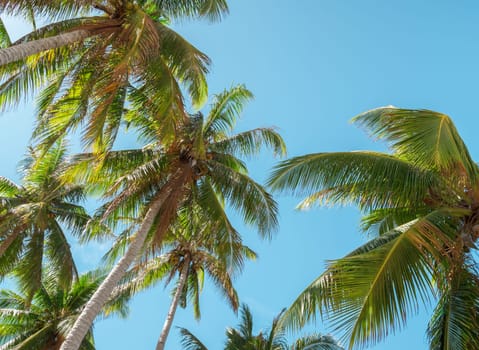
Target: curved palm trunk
174	305
23	50
102	294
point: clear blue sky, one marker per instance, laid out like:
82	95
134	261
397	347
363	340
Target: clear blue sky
312	65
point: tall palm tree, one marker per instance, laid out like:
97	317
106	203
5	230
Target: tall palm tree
33	217
421	203
42	324
195	244
243	338
95	55
151	183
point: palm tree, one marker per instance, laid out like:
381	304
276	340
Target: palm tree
242	338
195	244
33	217
44	322
151	183
421	203
97	54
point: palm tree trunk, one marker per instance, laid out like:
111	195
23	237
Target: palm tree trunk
174	305
23	50
102	294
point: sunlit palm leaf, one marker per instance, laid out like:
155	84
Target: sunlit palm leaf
426	138
225	110
378	285
369	179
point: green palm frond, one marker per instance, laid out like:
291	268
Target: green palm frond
454	323
220	276
426	138
371	180
188	64
29	269
212	10
48	8
249	143
253	202
189	341
60	255
229	245
380	221
378	285
225	110
4	36
244	333
7	188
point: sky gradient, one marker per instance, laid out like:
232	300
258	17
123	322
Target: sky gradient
312	65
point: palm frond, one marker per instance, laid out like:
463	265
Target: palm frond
426	138
4	37
371	291
225	110
249	143
454	323
371	180
249	198
190	342
212	10
188	64
8	188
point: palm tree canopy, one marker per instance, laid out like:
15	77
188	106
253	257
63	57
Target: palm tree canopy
421	204
94	56
205	244
43	322
243	337
204	151
33	218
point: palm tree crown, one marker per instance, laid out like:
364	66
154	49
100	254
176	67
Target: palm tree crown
243	338
42	323
95	56
33	218
422	204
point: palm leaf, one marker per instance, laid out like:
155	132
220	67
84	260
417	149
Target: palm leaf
454	323
378	285
369	179
252	201
190	341
426	138
4	37
225	110
249	143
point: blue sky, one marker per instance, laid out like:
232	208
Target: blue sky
312	65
